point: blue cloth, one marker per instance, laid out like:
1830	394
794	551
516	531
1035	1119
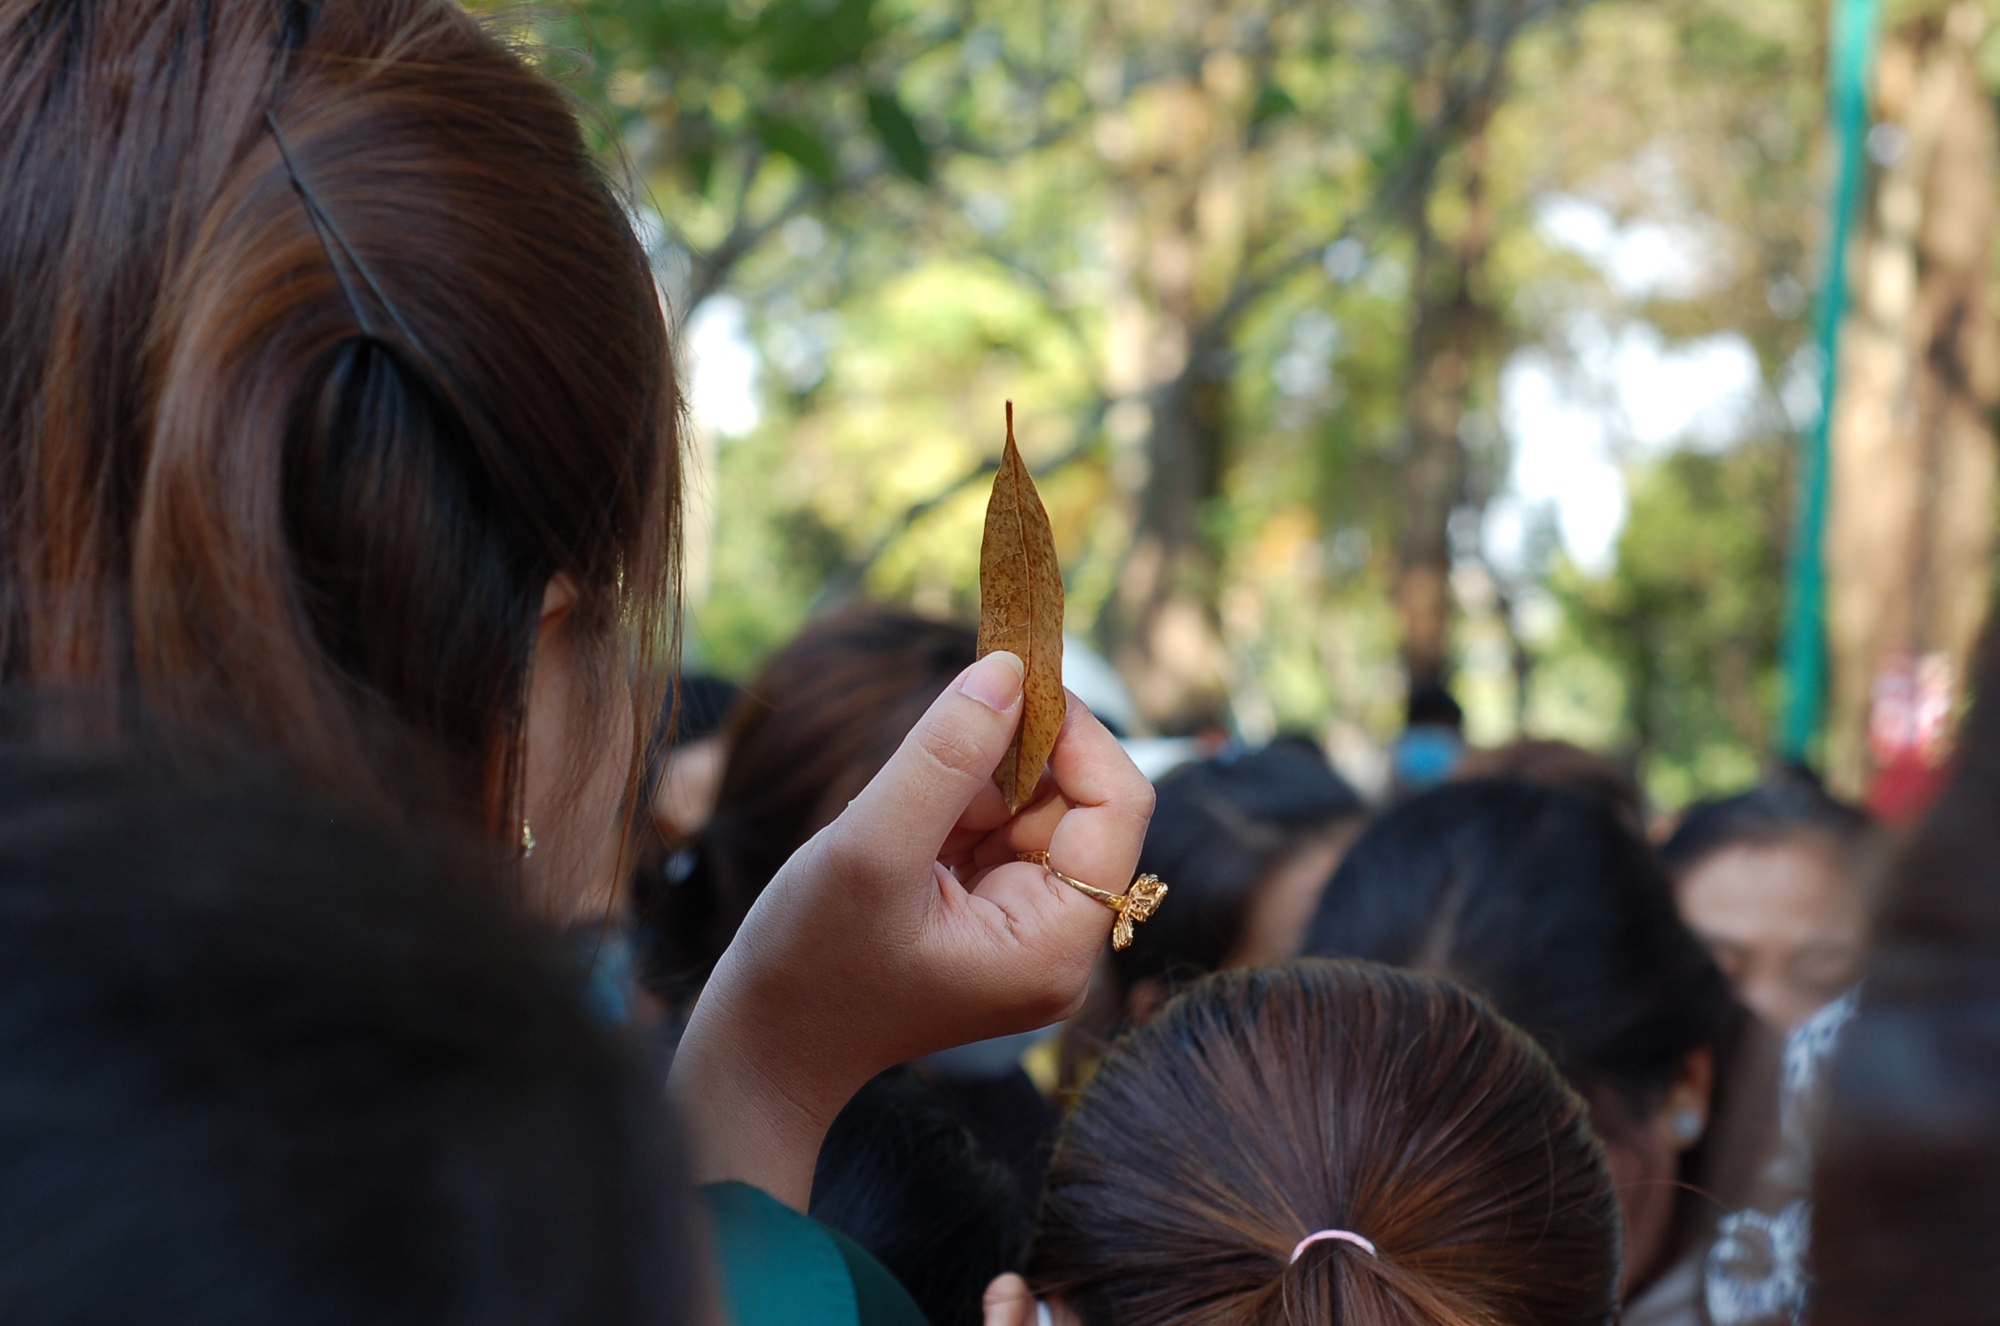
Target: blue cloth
1426	756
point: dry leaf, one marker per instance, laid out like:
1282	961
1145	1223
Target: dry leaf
1021	610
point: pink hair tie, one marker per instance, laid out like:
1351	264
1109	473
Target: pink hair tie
1343	1235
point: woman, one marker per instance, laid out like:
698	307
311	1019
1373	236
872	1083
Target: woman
1779	882
1317	1144
336	416
1549	905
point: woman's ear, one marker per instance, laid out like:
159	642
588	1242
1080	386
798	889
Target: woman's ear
1689	1098
558	597
1008	1302
1144	999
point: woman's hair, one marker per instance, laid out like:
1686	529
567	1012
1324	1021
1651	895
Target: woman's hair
900	1175
265	1063
1792	805
1906	1182
1267	1104
821	718
1545	902
1561	764
323	346
1219	829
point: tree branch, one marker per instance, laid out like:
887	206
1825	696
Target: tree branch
846	580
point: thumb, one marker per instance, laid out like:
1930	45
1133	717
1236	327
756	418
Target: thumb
913	803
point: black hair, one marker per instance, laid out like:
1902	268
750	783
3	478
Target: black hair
1557	911
1544	901
698	711
263	1063
1432	705
901	1176
702	705
1906	1182
1219	828
1550	905
1789	806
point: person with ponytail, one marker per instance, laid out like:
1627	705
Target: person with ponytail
1548	903
337	421
1320	1143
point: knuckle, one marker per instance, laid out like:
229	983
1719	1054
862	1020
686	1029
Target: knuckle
850	854
951	748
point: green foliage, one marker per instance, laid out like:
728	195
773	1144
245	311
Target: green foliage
1689	618
930	206
898	131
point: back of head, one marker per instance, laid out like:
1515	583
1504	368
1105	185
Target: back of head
1433	705
323	347
1269	1104
264	1065
1546	903
1219	828
900	1175
1906	1182
1561	764
822	716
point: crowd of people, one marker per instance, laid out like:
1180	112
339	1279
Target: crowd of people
388	935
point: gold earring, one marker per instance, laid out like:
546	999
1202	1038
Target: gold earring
527	839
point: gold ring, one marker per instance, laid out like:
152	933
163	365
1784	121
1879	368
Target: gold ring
1131	907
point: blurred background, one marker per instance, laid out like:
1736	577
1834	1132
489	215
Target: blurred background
1357	346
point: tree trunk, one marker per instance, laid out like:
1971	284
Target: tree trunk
1447	323
1160	626
1910	531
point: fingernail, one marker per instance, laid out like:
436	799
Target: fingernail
995	681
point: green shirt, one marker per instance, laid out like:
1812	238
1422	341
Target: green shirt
780	1268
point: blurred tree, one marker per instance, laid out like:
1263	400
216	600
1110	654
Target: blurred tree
1909	545
1689	617
1255	274
1222	199
1656	188
742	117
1459	59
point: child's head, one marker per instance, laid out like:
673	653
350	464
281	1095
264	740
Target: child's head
1268	1105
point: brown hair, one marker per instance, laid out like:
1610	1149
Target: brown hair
1263	1105
315	501
821	718
1561	764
